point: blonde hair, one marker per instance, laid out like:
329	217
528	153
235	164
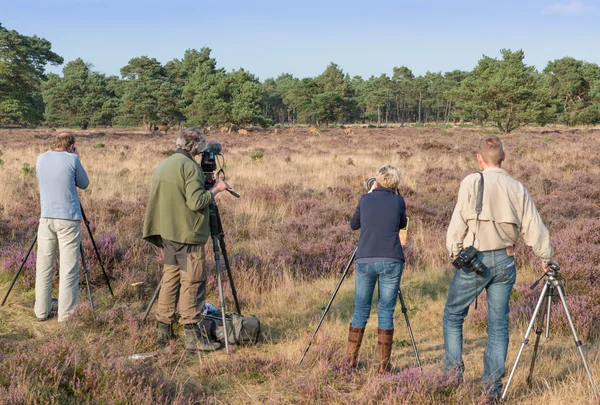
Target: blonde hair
491	150
388	176
64	141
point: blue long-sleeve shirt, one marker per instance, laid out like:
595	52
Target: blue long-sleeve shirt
379	216
59	175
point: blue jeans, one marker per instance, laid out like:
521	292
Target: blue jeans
498	279
367	274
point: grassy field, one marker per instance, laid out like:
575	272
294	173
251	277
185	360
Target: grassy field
288	237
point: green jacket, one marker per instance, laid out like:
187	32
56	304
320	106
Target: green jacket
178	204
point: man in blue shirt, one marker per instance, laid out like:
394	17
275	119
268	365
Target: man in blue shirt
59	174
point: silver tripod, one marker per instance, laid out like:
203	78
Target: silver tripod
552	285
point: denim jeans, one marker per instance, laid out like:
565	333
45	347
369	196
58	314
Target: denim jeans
367	274
498	279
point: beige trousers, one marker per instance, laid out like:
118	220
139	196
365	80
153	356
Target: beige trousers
185	275
64	235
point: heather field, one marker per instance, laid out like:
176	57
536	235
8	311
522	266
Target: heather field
288	237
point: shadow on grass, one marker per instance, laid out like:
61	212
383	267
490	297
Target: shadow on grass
294	325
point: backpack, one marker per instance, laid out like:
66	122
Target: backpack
242	330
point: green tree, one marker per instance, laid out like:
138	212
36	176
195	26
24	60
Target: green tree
453	81
572	84
22	63
193	61
299	98
286	87
377	94
402	78
506	92
222	98
336	99
275	109
148	96
79	97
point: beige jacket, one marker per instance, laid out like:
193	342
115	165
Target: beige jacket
507	212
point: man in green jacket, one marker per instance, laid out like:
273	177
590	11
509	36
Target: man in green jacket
177	220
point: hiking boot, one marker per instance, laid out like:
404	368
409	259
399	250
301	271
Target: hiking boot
385	338
355	336
194	340
164	333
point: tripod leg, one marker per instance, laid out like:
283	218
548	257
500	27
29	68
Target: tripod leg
221	236
154	297
538	332
221	295
335	291
229	275
410	332
87	280
214	232
577	340
87	225
525	340
12	284
549	310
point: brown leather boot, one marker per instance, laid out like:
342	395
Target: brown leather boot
355	336
385	338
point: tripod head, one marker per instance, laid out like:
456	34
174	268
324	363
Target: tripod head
552	274
552	271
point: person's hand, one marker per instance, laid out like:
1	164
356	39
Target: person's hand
219	186
403	234
546	264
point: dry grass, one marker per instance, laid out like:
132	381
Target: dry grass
288	237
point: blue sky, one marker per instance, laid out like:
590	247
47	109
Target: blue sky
272	37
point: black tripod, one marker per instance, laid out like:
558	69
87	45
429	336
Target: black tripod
335	291
552	285
83	263
218	239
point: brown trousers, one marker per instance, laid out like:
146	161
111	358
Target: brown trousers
185	274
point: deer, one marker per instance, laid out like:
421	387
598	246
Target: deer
313	130
243	131
291	130
348	131
163	128
275	131
223	129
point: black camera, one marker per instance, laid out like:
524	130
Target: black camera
467	258
209	163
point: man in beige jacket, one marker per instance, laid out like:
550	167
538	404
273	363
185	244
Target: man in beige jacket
507	212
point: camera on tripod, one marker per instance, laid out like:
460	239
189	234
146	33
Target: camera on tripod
467	258
208	165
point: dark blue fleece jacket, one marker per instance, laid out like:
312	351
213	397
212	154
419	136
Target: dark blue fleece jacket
379	216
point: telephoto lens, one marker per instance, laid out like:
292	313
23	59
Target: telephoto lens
477	266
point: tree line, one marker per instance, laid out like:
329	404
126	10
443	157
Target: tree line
194	91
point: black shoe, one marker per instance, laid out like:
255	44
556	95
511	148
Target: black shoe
164	333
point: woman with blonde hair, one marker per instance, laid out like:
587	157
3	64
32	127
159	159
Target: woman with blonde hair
379	258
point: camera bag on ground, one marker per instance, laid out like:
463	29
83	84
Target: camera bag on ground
242	330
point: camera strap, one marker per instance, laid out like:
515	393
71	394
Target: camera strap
479	204
185	153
